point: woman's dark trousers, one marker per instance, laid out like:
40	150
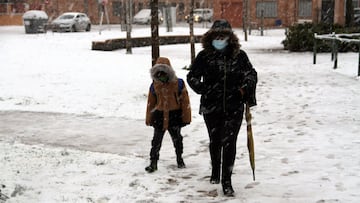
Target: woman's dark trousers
223	129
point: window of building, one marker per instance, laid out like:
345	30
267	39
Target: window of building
305	8
3	8
199	4
18	8
356	3
116	8
181	8
269	9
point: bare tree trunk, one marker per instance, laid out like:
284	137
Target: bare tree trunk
245	19
128	27
191	24
154	4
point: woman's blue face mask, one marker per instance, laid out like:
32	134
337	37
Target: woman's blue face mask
220	44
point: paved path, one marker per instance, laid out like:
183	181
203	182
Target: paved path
89	132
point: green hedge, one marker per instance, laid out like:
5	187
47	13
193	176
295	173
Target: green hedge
300	37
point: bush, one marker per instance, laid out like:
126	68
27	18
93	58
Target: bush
300	37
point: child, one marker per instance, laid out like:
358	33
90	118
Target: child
168	108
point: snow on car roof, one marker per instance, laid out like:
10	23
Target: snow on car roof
143	13
35	14
71	13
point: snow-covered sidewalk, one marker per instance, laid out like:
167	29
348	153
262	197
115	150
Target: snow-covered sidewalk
72	125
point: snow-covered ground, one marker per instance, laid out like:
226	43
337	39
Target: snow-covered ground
72	124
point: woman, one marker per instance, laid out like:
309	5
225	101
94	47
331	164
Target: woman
225	78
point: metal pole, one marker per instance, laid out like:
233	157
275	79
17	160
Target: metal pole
101	18
315	49
333	44
107	16
262	23
359	62
336	56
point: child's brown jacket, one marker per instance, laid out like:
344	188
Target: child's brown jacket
166	100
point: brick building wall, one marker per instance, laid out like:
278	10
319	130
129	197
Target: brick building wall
287	11
115	8
231	10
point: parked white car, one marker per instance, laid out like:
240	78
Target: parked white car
144	17
201	14
71	22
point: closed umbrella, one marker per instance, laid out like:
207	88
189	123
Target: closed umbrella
250	139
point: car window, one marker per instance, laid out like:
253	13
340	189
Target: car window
66	17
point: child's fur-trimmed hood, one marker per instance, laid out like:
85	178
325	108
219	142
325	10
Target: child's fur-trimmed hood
163	65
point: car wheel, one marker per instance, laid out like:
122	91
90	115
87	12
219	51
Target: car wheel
88	28
73	29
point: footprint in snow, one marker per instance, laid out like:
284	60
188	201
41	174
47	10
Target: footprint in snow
328	201
211	193
290	173
285	160
251	185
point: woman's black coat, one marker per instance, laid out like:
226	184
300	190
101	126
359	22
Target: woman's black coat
218	77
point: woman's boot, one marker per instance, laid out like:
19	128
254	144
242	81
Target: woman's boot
227	188
215	174
180	162
152	167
